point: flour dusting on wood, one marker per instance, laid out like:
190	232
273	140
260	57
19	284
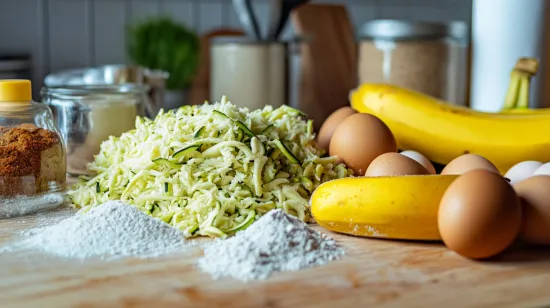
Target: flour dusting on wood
110	231
276	242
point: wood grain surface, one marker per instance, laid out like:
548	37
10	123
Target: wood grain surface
329	59
375	273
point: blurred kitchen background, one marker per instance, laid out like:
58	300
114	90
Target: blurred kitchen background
63	34
99	63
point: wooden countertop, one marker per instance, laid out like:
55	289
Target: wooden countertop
374	273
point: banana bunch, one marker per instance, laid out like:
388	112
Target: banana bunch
370	206
517	96
443	132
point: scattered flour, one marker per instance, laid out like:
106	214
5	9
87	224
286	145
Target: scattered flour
276	242
22	205
112	230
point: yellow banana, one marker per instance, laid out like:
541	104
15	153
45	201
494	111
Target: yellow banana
443	132
402	207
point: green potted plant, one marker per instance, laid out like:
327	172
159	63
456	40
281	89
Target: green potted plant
163	44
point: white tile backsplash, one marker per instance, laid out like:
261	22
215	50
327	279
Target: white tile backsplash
181	11
142	9
109	44
63	34
210	15
24	32
69	29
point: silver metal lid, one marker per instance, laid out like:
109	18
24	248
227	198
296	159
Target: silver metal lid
402	30
105	75
84	90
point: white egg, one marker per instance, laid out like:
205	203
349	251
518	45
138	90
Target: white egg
543	170
523	170
421	159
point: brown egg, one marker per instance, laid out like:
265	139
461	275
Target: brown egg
359	139
534	194
330	124
467	162
395	164
479	215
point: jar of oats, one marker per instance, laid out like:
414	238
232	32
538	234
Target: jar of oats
407	54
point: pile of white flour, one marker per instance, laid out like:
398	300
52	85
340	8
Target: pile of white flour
112	230
276	242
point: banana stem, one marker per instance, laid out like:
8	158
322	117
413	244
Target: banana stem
517	95
523	95
513	91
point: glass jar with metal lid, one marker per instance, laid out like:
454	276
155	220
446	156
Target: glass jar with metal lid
408	54
32	153
89	115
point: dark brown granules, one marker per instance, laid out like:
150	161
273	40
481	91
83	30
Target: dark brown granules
31	158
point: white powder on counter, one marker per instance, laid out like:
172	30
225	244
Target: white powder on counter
112	230
24	205
276	242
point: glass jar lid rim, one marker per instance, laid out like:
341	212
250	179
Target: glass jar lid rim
95	89
402	29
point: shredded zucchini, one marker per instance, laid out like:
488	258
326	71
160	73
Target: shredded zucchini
211	170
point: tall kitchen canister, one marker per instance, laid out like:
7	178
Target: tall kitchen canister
408	54
248	72
295	72
502	32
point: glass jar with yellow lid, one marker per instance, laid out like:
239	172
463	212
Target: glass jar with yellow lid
32	153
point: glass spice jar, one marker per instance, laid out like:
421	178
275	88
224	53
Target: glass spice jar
32	153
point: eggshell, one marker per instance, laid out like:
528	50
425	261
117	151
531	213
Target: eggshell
359	139
468	162
394	164
479	214
543	170
421	159
534	194
521	171
330	124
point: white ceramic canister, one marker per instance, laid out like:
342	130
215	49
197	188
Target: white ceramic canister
502	32
250	73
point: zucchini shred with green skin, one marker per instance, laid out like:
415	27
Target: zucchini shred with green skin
211	170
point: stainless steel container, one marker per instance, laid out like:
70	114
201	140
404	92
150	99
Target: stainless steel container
116	75
88	115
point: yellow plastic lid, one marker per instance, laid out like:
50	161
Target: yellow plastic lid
15	90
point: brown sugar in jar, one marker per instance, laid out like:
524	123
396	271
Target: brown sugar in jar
32	160
411	55
32	153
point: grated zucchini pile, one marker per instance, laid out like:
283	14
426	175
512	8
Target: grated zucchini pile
211	170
